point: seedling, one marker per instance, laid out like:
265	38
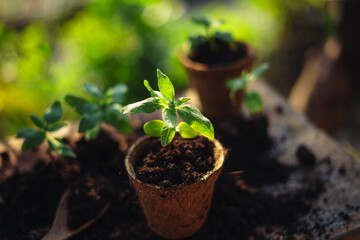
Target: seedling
49	123
210	34
252	100
101	107
193	121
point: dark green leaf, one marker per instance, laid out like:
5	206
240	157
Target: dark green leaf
56	127
53	114
92	133
203	21
165	86
114	117
169	116
90	120
60	147
37	120
167	134
81	105
148	105
94	91
226	36
32	138
154	128
186	131
26	132
117	94
253	102
257	72
196	41
192	116
182	101
237	83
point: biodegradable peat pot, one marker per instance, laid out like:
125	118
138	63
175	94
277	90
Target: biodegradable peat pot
178	211
210	82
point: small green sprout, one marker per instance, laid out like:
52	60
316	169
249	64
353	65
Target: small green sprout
252	99
102	107
49	123
210	35
193	121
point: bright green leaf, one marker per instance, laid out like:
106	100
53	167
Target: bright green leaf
257	72
94	91
182	101
169	116
165	86
167	134
90	120
60	147
154	128
158	94
253	102
186	131
37	120
148	105
237	83
53	114
192	116
56	127
114	117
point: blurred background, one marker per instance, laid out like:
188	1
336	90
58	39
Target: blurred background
51	47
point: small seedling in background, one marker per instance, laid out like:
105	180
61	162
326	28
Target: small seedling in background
193	121
49	123
252	99
209	25
101	107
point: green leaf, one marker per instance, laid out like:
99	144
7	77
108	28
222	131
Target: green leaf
81	105
32	138
92	133
226	36
37	120
196	41
94	91
154	128
165	86
90	120
114	117
186	131
192	116
167	134
253	102
237	83
158	94
257	72
60	147
203	21
148	105
56	127
117	94
53	114
182	101
169	116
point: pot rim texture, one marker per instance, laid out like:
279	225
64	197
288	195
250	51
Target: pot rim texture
201	67
219	156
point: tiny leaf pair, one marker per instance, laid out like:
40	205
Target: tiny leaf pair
164	99
252	99
209	24
49	123
101	107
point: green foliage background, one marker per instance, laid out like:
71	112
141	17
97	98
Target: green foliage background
112	41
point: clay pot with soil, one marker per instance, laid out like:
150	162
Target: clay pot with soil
174	169
212	60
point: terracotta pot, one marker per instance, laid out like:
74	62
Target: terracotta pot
179	211
209	81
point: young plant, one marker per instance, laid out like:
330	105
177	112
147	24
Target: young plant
193	121
210	34
49	123
101	107
252	100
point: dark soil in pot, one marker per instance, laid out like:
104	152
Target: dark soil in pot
224	54
240	208
183	161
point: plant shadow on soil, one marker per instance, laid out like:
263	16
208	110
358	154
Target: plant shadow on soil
240	210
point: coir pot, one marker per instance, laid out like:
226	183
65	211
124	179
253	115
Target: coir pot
210	82
178	211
